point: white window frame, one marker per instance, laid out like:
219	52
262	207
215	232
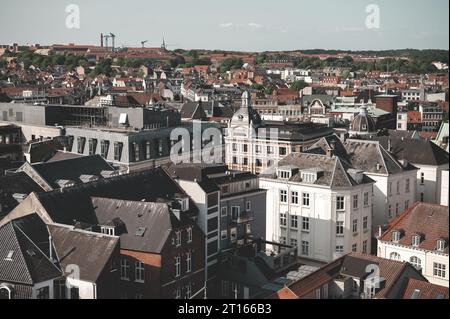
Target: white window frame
139	272
340	200
294	198
340	228
223	211
189	234
283	196
124	269
439	270
355	201
188	261
305	222
283	220
177	266
178	238
223	234
306	200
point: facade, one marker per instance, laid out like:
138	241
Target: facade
254	145
319	205
444	188
420	236
394	189
402	121
432	116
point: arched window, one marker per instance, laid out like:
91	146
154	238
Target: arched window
416	262
394	256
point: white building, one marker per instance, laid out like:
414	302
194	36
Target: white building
420	236
444	188
402	121
320	205
395	186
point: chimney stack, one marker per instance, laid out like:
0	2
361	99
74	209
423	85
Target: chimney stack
101	40
389	146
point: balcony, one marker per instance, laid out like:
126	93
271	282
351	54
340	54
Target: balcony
242	218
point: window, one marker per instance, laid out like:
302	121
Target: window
233	234
189	234
365	222
148	148
339	249
283	240
294	221
177	294
245	161
104	147
223	234
118	146
81	142
245	148
188	261
212	225
178	238
188	291
139	271
294	242
60	289
406	204
223	211
258	149
283	196
225	288
398	187
395	236
43	293
305	247
366	199
234	160
440	245
177	266
390	211
354	247
416	262
235	211
234	145
364	250
294	198
283	151
439	270
269	149
305	199
421	197
339	228
407	185
92	146
394	256
283	220
396	209
355	226
107	230
422	178
248	206
340	203
258	163
124	269
248	228
355	201
390	188
305	223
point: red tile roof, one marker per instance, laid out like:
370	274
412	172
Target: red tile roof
414	117
427	290
430	221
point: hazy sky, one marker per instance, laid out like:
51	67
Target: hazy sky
251	25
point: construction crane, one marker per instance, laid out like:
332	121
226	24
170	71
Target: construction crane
143	43
113	36
106	36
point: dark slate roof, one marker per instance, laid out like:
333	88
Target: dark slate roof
74	203
90	251
419	152
334	172
293	131
61	156
71	169
19	183
192	110
27	238
155	217
361	154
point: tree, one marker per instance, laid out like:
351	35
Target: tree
298	85
229	64
103	67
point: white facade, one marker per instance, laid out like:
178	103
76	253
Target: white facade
429	181
402	121
317	222
427	259
444	188
389	200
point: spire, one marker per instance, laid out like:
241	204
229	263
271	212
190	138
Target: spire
246	100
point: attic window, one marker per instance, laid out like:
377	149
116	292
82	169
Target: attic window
416	240
440	245
415	294
9	256
140	231
107	230
395	236
284	174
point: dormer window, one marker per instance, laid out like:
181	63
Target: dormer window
311	175
107	230
395	236
284	174
440	245
416	240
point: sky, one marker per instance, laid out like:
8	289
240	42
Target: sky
245	25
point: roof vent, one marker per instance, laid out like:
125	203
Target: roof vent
19	197
108	174
62	183
88	178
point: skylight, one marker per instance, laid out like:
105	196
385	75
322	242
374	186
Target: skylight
9	256
140	231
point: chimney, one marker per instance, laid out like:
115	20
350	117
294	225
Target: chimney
389	146
333	145
101	40
378	166
329	153
380	231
